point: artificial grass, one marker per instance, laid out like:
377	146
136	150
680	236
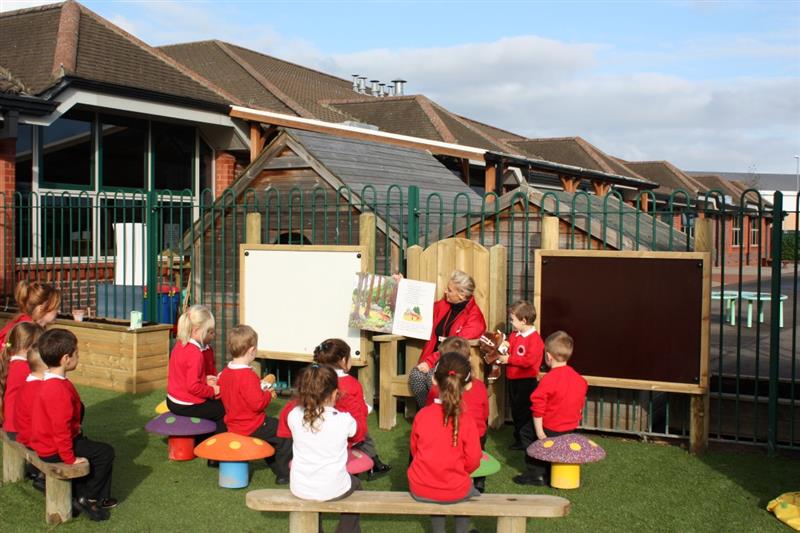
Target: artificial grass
638	487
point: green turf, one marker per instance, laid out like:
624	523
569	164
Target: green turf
638	487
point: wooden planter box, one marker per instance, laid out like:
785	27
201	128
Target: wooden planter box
115	358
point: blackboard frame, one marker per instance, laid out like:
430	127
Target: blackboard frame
638	259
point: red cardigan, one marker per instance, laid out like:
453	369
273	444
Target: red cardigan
351	400
476	403
438	470
18	371
23	410
209	364
56	419
469	324
283	423
186	376
243	398
558	399
524	355
10	325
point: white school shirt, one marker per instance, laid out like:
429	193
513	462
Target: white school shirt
319	462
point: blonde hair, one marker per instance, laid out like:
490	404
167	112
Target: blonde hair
32	294
19	339
240	339
464	282
559	345
196	317
35	359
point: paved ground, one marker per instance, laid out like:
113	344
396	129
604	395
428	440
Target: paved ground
751	346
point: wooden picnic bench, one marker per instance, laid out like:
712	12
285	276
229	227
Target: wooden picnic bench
511	510
58	478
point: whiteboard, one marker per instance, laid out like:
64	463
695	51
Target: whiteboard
129	242
297	296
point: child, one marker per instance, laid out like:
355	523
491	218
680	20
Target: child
190	392
557	404
37	303
320	433
245	398
445	444
22	409
56	426
523	359
475	398
336	353
14	370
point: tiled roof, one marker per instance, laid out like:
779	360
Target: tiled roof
713	181
41	45
400	114
574	151
667	175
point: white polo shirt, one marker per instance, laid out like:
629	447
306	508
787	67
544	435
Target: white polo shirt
319	463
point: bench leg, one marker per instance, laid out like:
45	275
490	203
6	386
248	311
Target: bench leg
13	464
387	414
303	522
511	524
58	500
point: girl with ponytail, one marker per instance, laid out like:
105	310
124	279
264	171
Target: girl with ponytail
36	302
14	369
445	444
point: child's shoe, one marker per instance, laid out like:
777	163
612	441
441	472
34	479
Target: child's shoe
95	512
378	469
106	503
38	482
530	479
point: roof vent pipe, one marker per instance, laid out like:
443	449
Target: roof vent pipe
390	90
399	87
362	84
381	89
374	87
355	82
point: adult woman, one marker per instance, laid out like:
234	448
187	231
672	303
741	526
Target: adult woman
456	314
37	303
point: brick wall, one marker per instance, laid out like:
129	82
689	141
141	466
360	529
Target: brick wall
8	149
224	172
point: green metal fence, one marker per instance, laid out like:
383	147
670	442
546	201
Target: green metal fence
115	252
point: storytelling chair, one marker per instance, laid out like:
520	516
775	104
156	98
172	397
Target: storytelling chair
435	264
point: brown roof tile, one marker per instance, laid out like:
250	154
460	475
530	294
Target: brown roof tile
574	151
667	175
27	44
398	114
713	181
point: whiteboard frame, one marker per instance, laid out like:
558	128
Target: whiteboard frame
294	356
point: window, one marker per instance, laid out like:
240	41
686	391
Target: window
67	151
206	171
736	231
124	152
173	154
24	176
113	212
754	232
175	219
66	226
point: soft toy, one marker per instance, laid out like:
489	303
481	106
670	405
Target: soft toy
787	509
493	345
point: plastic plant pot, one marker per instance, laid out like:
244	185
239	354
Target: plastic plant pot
566	453
233	451
489	465
180	431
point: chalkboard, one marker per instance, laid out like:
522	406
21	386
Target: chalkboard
297	296
639	319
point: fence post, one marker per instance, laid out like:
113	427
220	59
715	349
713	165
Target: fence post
774	328
367	237
152	256
700	409
253	236
412	235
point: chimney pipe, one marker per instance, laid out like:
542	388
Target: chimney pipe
355	82
399	87
362	84
374	87
390	90
381	89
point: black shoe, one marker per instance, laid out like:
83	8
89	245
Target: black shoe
95	512
529	479
516	446
211	463
480	484
281	480
39	483
377	470
106	503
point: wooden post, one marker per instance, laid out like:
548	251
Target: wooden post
367	237
496	320
700	403
253	236
550	233
491	181
511	524
303	522
58	500
13	463
256	141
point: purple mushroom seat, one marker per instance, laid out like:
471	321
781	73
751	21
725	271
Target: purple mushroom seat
180	431
567	453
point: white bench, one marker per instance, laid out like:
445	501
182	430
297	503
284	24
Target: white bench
511	510
58	478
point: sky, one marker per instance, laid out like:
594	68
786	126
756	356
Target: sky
708	86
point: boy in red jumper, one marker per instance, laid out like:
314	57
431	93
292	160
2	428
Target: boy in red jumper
523	358
56	426
557	404
27	395
245	398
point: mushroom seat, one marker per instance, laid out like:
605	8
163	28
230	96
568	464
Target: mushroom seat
180	431
566	453
489	465
233	451
162	408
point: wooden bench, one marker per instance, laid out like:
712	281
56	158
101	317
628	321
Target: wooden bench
511	510
58	478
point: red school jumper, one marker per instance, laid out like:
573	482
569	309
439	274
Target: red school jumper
186	377
283	419
23	410
440	471
18	371
351	400
469	324
559	399
476	403
525	354
244	399
56	418
209	364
